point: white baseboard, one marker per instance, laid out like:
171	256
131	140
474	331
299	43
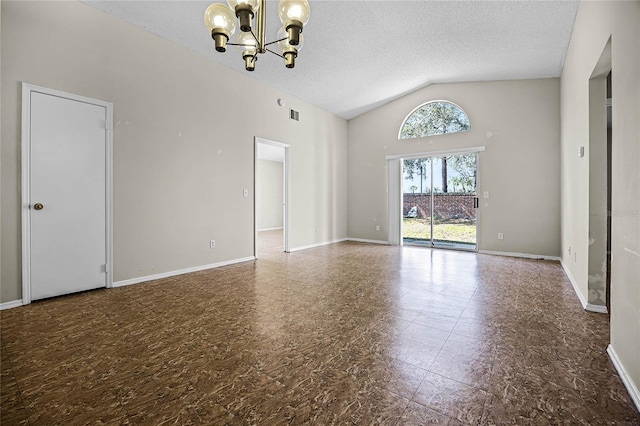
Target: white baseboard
270	229
10	305
181	272
596	308
626	379
573	282
523	255
585	305
326	243
362	240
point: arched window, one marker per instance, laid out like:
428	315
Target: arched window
434	118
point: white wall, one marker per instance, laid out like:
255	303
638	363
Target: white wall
182	155
517	121
269	194
596	22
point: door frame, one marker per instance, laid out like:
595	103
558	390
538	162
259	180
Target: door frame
27	90
394	189
286	225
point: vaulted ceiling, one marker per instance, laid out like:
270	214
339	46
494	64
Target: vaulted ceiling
360	54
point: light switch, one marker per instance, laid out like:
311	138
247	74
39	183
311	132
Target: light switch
486	194
581	152
245	192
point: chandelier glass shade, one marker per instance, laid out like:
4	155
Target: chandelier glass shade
220	20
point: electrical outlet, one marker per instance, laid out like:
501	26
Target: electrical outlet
500	236
377	227
212	244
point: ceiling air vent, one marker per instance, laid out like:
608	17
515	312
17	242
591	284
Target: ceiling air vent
294	115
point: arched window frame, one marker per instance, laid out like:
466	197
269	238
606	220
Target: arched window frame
436	134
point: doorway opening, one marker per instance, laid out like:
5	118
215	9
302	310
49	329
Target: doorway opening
600	167
609	151
439	201
271	189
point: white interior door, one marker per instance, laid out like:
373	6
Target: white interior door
66	196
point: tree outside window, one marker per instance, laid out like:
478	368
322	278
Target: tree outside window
434	118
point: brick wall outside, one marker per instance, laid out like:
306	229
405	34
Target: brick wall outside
446	206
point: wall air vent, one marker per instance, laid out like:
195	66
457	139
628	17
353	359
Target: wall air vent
294	115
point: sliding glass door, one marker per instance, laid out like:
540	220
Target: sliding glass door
440	201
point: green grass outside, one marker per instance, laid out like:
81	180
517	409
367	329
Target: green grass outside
455	230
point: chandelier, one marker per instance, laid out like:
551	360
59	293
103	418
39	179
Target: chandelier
220	20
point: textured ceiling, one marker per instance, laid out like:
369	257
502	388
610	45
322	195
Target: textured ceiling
359	54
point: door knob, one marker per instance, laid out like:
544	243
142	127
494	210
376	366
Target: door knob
38	206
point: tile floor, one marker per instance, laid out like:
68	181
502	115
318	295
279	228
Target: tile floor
343	334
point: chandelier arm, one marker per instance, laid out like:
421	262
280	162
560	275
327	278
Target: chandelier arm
274	42
275	53
256	38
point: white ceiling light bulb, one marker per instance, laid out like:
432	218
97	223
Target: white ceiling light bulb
248	47
221	23
245	10
288	51
294	14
